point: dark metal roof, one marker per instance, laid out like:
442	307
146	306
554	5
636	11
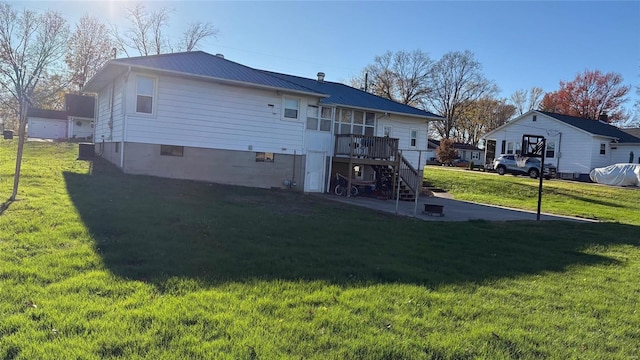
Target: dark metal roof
341	94
195	63
201	64
47	114
80	106
594	127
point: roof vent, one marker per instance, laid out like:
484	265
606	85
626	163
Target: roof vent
604	117
320	77
220	56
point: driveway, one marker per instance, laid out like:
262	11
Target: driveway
453	210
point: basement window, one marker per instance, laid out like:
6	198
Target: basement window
171	150
264	157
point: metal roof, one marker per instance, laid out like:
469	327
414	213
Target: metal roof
204	65
341	94
594	127
193	63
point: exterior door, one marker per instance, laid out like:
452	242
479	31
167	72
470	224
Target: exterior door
315	169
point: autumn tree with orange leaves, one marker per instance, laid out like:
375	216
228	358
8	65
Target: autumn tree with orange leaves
590	95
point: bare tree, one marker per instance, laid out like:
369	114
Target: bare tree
525	100
89	48
402	76
457	78
30	45
195	33
477	117
146	33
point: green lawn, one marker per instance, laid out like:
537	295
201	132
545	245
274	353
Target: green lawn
96	264
591	201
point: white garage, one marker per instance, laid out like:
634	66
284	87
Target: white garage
47	128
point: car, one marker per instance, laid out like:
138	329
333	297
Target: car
508	164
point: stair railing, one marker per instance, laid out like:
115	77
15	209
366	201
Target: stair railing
409	174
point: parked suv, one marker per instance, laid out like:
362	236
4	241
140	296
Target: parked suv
507	164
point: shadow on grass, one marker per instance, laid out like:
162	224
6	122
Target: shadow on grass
5	205
152	229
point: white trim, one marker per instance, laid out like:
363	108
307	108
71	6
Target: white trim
284	109
417	131
154	95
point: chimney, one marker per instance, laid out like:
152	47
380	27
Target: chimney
320	77
220	56
604	117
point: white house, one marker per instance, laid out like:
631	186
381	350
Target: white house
199	116
465	152
574	145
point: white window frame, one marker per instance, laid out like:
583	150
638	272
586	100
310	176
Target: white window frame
387	131
603	149
154	92
413	140
510	148
352	122
285	108
552	145
319	118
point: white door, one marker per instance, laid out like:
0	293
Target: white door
47	129
315	168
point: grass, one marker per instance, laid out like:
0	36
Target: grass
591	201
96	264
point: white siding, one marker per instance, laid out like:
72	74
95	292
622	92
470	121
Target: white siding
104	112
202	114
401	129
621	154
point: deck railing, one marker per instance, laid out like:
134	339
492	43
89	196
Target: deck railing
409	174
366	146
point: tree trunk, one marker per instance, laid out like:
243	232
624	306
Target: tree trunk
21	139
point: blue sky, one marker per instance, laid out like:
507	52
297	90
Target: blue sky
520	44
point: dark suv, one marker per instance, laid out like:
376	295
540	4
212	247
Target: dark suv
507	164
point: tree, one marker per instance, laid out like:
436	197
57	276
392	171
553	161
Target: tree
145	34
590	95
445	151
525	100
89	48
195	33
456	79
31	46
477	117
402	76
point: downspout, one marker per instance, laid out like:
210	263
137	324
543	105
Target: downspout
559	153
124	116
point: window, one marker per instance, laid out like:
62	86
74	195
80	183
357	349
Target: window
357	171
535	117
603	149
171	150
509	147
291	107
144	90
551	149
354	122
323	122
386	130
413	142
475	155
518	148
504	144
313	118
264	157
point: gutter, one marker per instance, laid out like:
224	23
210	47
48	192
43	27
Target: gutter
124	116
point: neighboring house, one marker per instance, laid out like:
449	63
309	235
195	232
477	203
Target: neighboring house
574	145
76	122
465	151
199	116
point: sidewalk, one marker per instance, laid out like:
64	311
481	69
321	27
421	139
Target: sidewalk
453	210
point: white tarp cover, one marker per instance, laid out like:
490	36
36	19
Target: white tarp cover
617	174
